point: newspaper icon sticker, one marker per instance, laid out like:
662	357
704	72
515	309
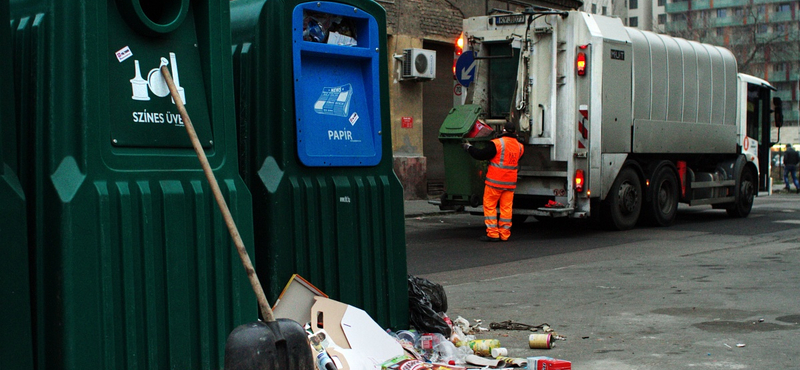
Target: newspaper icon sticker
334	101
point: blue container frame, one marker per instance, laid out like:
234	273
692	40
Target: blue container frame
337	134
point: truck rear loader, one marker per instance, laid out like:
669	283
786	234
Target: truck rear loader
619	124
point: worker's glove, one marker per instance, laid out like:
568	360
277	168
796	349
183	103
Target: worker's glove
466	146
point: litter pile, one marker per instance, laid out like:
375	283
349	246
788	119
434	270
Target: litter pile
343	337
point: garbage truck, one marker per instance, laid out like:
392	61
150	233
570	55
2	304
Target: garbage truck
619	125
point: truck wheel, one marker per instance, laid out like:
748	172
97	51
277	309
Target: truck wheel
662	207
622	206
747	191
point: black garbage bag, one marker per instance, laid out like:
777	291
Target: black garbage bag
423	313
434	291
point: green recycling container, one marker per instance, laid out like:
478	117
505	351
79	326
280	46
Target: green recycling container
313	117
463	175
16	351
131	263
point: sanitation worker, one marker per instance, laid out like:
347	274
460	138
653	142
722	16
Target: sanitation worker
501	180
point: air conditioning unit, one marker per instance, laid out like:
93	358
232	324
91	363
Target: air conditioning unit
419	64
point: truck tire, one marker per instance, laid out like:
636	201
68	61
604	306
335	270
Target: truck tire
662	207
623	204
741	207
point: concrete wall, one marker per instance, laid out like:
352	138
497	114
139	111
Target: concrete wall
410	23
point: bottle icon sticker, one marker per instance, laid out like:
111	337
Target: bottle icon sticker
139	85
334	101
155	82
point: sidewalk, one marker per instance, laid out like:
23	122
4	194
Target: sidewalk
417	208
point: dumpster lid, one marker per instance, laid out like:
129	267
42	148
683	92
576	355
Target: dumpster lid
459	121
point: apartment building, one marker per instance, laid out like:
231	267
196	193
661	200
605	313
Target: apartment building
763	34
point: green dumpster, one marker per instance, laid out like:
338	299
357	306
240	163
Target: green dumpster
16	351
464	176
132	265
313	118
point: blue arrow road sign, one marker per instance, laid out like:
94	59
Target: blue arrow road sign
465	68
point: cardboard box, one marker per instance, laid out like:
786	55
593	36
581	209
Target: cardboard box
296	300
361	339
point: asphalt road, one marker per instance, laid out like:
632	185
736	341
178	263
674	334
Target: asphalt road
708	292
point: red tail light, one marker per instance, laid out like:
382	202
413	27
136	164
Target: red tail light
459	48
580	64
579	180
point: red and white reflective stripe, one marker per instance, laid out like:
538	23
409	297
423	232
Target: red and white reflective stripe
583	127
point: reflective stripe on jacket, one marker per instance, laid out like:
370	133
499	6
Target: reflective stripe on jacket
503	166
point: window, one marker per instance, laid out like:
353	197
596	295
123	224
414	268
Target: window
762	28
782	8
594	8
761	9
662	2
662	18
779	28
634	4
678	17
779	67
722	13
633	22
605	10
720	32
738	12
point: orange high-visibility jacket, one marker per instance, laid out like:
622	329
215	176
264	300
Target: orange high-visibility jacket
503	166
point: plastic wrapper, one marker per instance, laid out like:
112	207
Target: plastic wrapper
423	315
446	351
328	28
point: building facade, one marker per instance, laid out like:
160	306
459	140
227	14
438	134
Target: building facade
763	34
418	107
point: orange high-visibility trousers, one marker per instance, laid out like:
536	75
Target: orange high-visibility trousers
497	228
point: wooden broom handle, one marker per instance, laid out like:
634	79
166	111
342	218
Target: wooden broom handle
263	305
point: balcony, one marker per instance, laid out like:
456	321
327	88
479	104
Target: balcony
725	22
727	3
784	95
777	56
768	1
790	115
780	17
701	4
780	76
680	7
675	26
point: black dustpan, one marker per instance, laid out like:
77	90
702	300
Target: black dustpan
263	345
280	344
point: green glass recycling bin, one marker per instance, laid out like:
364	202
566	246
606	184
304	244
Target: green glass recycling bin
463	175
15	303
313	117
132	265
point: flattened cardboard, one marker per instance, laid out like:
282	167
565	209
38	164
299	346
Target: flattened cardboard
353	328
327	314
366	336
296	300
350	359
